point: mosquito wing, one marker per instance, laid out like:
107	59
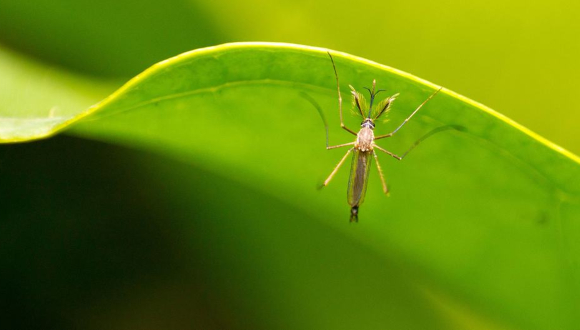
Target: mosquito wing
359	176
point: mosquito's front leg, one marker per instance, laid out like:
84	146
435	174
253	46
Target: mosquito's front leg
342	125
327	181
408	118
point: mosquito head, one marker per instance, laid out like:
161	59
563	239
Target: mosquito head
368	123
372	94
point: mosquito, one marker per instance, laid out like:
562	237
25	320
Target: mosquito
363	148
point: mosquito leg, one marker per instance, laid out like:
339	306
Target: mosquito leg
385	188
423	138
327	181
408	118
342	125
387	152
320	112
319	109
340	145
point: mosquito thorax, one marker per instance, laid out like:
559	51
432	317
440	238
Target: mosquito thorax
366	136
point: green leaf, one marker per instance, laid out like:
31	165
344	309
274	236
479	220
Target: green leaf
481	228
35	98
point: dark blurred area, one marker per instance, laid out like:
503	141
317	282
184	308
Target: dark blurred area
83	236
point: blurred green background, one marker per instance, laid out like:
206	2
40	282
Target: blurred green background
517	57
97	236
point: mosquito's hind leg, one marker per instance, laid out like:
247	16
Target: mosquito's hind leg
387	152
385	187
424	137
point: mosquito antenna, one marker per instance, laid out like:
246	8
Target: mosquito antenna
373	94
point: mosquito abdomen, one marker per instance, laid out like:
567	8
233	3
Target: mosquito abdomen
354	214
359	176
